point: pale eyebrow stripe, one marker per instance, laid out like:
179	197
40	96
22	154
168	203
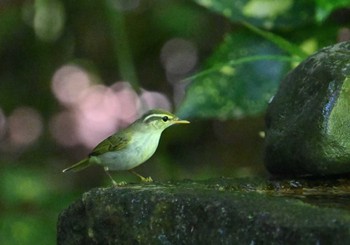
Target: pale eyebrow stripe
155	115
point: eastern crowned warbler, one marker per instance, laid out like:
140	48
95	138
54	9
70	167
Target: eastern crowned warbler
132	146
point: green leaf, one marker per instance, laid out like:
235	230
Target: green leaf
270	14
279	41
242	75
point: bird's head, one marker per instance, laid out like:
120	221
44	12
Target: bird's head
160	119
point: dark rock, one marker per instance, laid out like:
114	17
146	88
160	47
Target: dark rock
219	211
308	120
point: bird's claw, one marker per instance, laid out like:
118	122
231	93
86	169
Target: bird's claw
122	183
147	180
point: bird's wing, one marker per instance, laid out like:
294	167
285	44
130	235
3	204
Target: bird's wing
112	143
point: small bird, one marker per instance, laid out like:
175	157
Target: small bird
130	147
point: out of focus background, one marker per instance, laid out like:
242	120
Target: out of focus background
74	72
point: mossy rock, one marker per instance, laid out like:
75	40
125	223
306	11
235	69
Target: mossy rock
308	120
218	211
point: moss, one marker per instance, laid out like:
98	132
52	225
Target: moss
220	211
308	119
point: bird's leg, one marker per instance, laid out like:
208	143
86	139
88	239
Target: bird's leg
143	179
113	181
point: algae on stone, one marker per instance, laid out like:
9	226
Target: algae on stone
217	211
308	120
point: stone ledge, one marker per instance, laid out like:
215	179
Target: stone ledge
217	211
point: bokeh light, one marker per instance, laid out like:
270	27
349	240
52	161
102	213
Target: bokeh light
91	112
49	19
101	111
97	114
104	110
178	57
128	101
155	100
99	104
179	91
2	124
63	128
25	125
69	83
343	34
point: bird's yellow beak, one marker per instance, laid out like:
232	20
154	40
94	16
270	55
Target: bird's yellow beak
179	121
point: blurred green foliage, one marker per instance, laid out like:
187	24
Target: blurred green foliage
29	206
264	13
233	84
224	90
243	49
324	8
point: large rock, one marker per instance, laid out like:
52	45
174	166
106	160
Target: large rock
219	211
308	120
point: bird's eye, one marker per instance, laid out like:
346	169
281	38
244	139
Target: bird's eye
165	118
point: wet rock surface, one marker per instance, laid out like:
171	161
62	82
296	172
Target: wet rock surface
308	120
217	211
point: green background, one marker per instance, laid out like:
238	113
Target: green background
215	62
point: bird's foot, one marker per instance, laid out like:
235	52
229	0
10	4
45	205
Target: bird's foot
122	183
143	179
146	180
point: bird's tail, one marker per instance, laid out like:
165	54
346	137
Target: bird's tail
78	166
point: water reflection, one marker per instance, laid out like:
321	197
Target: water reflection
331	193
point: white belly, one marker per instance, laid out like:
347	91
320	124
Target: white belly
142	148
